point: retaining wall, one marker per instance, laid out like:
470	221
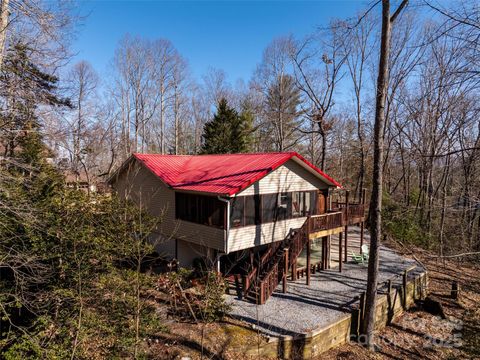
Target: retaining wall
314	343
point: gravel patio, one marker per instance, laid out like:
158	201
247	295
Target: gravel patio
329	297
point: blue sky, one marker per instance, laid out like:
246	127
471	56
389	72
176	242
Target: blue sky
229	35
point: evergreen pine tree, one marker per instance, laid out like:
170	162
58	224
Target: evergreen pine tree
25	87
228	132
247	119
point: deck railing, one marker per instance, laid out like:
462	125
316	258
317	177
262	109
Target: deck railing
353	211
326	221
295	243
269	283
265	276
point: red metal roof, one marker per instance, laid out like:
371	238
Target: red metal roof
223	174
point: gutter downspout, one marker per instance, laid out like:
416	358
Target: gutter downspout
227	227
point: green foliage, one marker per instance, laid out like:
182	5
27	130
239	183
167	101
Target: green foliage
228	132
402	223
81	286
213	306
26	87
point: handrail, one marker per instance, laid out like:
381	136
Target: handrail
296	243
327	221
269	283
248	282
257	270
272	277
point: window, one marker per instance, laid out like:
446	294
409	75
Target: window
252	210
206	210
284	207
297	204
313	202
308	205
237	212
269	207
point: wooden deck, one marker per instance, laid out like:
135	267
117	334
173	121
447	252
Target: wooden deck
281	258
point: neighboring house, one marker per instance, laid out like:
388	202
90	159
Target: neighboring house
79	180
231	208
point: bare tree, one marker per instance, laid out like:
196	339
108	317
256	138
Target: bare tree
317	65
83	81
275	86
376	198
357	47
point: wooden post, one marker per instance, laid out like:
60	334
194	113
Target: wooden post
322	260
404	284
389	286
362	230
294	270
362	224
454	294
329	251
340	251
346	225
309	270
322	266
285	270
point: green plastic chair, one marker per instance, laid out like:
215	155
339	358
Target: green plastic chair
359	259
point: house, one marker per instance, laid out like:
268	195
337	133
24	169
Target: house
239	212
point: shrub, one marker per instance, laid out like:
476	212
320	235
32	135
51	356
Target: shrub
190	297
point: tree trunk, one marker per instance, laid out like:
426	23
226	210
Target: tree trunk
3	28
376	198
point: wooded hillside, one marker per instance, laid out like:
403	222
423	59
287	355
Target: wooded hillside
62	291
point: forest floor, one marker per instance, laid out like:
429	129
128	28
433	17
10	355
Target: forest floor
414	335
417	334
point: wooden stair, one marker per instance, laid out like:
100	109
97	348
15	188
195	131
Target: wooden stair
267	272
265	275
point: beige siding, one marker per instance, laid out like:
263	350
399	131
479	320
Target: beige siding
289	177
254	235
146	190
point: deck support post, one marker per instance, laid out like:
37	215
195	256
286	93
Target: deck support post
309	270
294	270
285	270
347	193
322	259
328	252
362	224
325	252
340	235
362	230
